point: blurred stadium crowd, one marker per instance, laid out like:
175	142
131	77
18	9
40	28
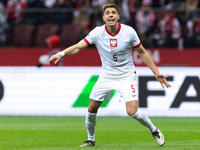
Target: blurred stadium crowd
159	23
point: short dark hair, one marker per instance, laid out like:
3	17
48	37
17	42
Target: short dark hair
109	6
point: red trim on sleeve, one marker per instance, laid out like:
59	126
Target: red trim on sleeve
137	45
86	41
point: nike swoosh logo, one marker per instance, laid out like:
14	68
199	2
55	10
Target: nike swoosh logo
134	95
113	50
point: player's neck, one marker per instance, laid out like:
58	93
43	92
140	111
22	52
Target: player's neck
113	29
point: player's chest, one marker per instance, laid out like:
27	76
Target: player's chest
117	44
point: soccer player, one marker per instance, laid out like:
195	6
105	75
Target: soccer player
114	42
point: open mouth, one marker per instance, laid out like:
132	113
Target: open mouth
111	21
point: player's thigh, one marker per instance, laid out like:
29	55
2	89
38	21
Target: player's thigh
128	90
102	90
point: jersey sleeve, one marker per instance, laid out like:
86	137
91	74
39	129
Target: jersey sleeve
135	41
91	37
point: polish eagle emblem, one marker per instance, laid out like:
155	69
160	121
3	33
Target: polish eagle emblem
113	42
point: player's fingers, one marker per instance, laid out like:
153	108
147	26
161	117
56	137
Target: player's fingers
57	60
167	84
51	59
165	76
50	62
162	84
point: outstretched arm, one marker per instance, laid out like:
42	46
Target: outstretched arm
72	50
149	62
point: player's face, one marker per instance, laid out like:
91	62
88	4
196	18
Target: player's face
111	16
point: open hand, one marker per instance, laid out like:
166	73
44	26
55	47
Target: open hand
56	57
162	79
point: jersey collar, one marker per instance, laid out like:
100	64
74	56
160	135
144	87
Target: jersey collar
119	27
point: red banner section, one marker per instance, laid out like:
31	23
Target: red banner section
90	57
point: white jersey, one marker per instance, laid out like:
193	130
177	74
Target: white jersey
115	50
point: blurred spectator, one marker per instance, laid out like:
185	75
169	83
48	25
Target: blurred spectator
74	2
96	18
4	2
69	14
98	3
3	25
126	16
187	6
145	21
132	9
193	31
82	16
116	2
35	17
62	18
170	4
14	12
53	43
156	3
168	32
49	3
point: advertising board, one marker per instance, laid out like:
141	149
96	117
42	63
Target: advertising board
65	91
161	57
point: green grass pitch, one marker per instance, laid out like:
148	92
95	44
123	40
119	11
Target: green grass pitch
112	133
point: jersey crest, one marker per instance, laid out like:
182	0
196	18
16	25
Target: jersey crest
113	42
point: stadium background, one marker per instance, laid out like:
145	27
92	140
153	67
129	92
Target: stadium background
26	89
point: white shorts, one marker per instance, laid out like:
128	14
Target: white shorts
127	88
